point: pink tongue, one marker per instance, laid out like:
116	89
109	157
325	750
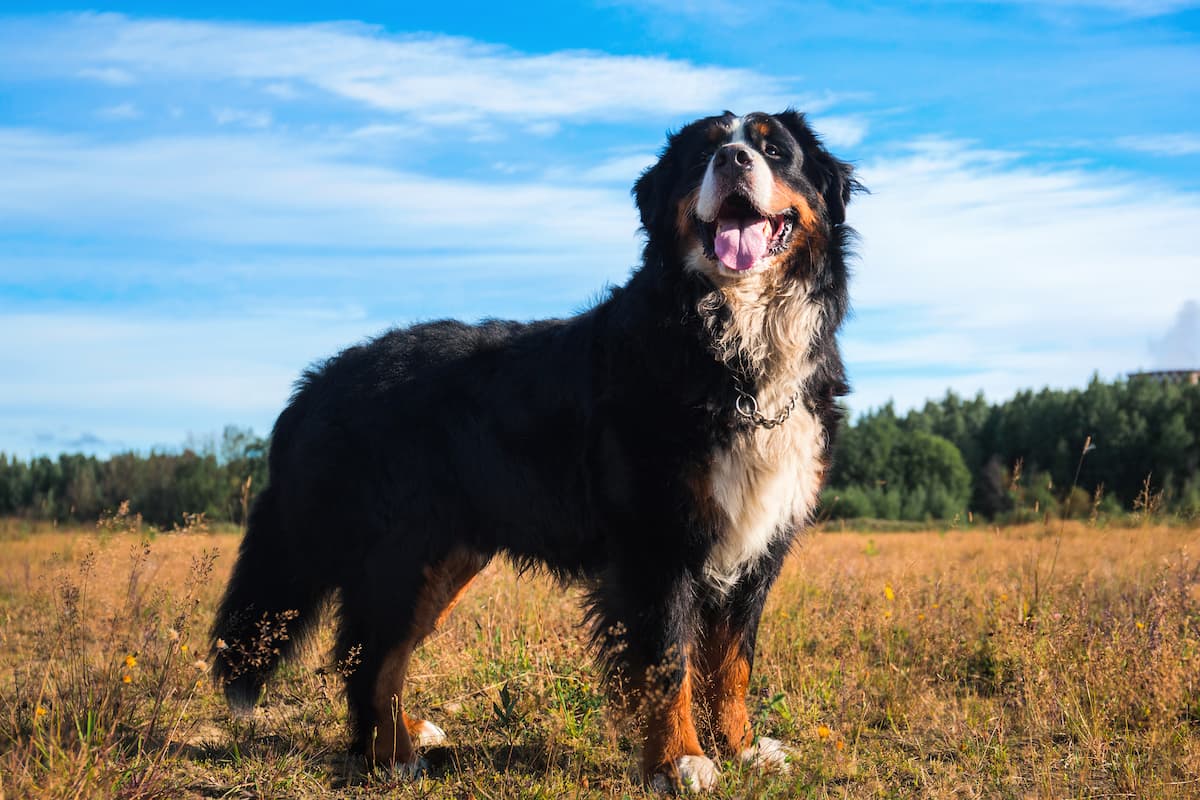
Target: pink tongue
741	242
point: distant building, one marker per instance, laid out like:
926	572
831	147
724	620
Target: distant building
1191	376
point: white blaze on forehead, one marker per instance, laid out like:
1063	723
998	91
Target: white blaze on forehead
758	184
739	131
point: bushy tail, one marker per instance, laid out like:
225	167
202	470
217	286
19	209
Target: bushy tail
271	603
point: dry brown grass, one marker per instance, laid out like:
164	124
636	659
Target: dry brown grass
1025	662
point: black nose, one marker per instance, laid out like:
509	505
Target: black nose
733	158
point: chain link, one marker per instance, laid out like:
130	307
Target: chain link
747	407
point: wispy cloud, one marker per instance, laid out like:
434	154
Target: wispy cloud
950	221
1131	8
1021	275
1163	144
841	131
1179	348
241	116
109	75
292	201
147	380
438	78
260	189
621	170
119	112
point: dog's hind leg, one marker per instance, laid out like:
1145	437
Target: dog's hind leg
386	734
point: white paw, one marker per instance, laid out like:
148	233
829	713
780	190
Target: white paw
768	754
427	735
696	774
405	770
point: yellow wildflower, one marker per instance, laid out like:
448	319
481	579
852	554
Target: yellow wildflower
126	679
839	745
888	593
1141	626
40	711
823	731
130	661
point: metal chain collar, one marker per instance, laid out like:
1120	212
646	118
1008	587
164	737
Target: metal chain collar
747	407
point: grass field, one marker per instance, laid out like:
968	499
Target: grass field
1040	661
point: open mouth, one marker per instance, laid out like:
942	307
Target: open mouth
741	236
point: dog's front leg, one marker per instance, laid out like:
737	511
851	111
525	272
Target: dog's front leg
671	753
724	660
644	626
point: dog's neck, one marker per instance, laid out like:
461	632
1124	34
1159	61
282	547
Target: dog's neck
762	327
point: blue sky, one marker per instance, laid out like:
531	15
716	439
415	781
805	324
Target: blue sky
196	203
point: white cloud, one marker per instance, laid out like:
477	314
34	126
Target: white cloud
1163	144
1130	8
740	14
997	274
728	11
1179	348
434	77
240	116
841	131
110	75
284	91
622	170
120	111
262	189
143	379
964	224
1018	275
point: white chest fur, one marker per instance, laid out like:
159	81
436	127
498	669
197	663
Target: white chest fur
766	482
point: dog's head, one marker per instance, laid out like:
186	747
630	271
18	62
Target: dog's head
731	195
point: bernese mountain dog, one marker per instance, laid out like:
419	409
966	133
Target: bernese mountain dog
664	447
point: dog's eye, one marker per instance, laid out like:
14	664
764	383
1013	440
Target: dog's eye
772	151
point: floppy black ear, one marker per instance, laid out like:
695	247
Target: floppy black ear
839	185
831	176
651	189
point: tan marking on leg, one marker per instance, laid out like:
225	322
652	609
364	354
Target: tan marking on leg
725	682
444	584
462	572
669	730
392	744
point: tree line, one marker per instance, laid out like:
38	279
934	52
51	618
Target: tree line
1106	449
217	479
1122	446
